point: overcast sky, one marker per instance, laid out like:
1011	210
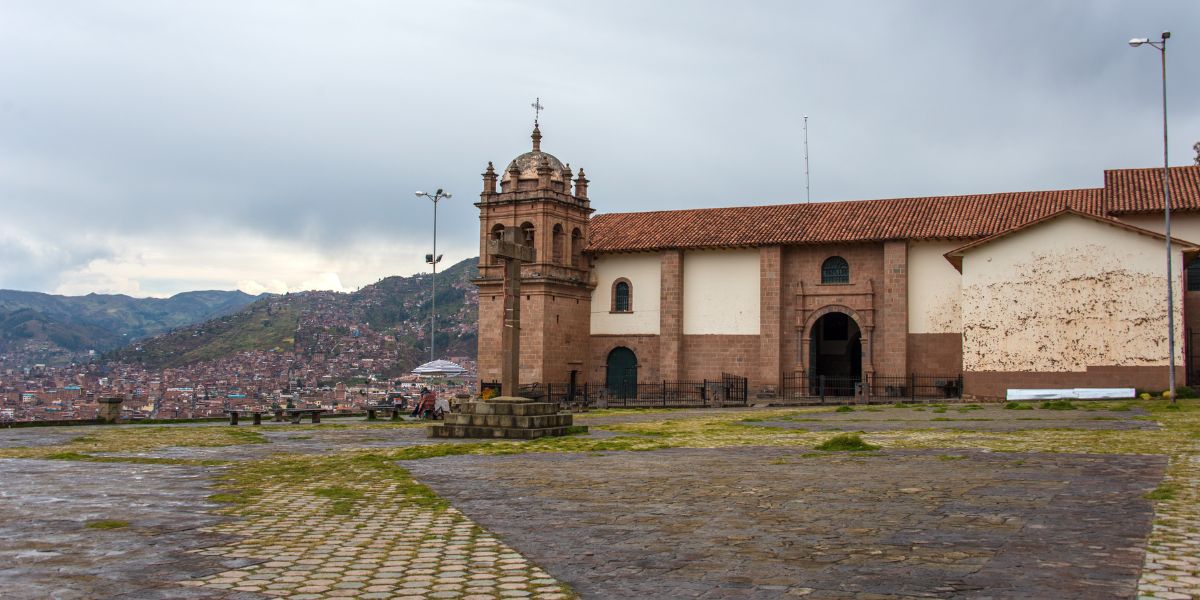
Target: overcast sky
152	147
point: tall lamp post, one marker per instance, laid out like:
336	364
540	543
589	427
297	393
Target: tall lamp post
1161	46
434	259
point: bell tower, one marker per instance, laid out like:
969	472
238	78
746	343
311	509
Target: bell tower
539	196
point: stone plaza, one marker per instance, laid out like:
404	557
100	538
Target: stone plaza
952	501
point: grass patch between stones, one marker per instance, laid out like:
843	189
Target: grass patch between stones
846	442
106	524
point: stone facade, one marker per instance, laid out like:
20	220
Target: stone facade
536	196
744	290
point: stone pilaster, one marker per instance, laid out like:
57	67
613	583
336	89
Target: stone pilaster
670	328
770	306
891	344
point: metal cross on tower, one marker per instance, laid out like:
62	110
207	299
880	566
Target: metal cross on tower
537	110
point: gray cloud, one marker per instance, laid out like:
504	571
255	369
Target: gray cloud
312	123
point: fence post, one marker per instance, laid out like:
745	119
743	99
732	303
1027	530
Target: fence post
912	387
821	387
704	391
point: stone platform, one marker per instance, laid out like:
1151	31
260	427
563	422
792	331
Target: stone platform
504	417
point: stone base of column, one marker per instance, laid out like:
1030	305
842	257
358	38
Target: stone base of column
109	409
505	417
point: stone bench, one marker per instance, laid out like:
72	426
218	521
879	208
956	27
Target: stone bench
257	413
396	411
298	413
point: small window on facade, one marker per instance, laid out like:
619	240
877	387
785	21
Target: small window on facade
835	269
621	297
1193	276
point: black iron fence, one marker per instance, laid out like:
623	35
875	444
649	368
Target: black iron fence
736	389
810	388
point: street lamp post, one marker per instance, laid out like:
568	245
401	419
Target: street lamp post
433	259
1161	46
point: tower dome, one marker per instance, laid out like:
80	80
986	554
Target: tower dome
526	167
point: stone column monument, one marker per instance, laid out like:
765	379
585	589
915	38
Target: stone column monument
507	415
109	408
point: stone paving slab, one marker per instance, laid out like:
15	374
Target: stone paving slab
784	523
46	550
985	419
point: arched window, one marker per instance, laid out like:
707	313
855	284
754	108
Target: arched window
576	248
835	269
622	296
527	230
557	242
497	234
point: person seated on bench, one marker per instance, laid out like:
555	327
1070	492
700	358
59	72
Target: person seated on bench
425	403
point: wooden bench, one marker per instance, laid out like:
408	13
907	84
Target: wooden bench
298	413
257	413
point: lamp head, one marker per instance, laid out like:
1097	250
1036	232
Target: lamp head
1135	42
419	194
1166	35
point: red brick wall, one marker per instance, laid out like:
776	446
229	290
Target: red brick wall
987	385
710	355
491	315
935	353
554	333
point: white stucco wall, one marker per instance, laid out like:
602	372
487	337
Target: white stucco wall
644	274
721	292
1066	294
933	289
1184	226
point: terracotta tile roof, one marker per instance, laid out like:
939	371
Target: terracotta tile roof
945	217
1140	190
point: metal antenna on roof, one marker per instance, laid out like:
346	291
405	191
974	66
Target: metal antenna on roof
537	109
807	184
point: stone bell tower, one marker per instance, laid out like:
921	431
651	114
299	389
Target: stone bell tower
536	197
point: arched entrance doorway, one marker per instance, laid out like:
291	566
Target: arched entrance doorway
621	373
836	353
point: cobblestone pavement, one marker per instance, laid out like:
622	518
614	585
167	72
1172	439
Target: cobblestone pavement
781	523
333	513
303	550
1172	567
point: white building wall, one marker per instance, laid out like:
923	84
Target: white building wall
1184	226
721	292
645	278
1065	295
934	289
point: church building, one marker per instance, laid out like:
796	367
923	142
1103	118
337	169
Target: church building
1046	289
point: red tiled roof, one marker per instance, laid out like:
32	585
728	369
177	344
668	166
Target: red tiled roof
1140	190
944	217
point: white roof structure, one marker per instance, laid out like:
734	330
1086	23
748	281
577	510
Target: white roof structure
442	368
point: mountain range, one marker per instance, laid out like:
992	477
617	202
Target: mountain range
317	322
197	326
71	324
